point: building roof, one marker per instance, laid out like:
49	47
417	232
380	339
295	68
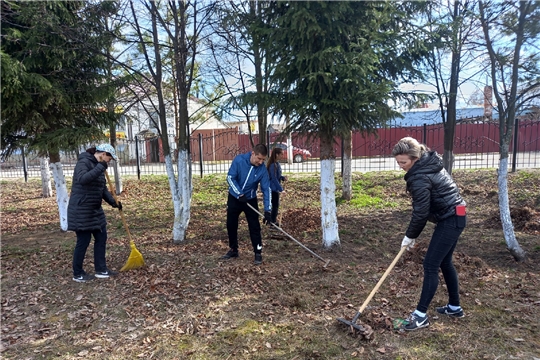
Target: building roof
430	116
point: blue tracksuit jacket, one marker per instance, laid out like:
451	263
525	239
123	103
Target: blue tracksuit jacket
244	178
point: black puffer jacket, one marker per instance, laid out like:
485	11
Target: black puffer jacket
434	193
88	189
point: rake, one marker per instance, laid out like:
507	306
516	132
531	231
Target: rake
296	241
352	323
135	259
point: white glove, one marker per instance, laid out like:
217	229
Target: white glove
409	243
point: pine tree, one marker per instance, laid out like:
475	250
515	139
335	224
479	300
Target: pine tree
53	93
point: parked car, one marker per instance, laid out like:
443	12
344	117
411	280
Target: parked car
299	154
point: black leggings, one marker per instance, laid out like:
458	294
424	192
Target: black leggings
439	255
234	208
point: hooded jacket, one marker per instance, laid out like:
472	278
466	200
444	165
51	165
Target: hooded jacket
244	178
434	194
274	171
88	190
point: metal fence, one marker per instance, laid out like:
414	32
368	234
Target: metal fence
476	145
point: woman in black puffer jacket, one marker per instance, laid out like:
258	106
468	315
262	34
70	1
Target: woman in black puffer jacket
85	214
435	198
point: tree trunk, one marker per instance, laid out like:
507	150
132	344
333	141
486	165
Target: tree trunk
329	223
346	172
504	209
450	124
62	197
290	158
117	179
255	11
289	142
181	194
448	159
506	104
46	189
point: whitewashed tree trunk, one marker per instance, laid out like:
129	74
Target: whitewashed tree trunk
46	189
117	179
329	221
346	172
181	194
504	209
62	197
289	150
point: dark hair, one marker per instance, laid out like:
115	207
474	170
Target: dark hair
272	159
411	147
260	149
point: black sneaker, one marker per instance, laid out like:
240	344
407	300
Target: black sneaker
445	310
230	254
415	322
258	259
83	278
106	274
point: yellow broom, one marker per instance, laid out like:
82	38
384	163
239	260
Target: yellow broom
135	259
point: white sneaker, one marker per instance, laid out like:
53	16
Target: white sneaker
106	274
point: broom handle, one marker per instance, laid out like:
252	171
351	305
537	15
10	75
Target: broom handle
365	304
116	199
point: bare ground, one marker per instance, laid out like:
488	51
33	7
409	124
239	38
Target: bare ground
187	304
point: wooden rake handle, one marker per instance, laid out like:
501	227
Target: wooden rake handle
365	304
113	193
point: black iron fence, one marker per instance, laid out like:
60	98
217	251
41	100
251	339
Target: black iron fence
476	145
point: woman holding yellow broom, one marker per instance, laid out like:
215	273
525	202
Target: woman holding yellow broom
85	214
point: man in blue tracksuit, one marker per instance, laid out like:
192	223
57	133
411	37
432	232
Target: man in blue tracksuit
245	174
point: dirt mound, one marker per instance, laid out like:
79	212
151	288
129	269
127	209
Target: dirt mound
524	219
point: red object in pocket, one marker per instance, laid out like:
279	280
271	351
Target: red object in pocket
461	210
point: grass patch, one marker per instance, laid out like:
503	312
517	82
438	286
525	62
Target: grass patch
368	192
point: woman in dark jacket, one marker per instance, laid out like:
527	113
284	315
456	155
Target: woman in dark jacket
274	172
85	214
435	197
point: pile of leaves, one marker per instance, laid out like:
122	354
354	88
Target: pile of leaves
301	220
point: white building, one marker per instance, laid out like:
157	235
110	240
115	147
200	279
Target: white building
141	120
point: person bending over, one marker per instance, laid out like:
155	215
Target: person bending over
247	171
435	197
